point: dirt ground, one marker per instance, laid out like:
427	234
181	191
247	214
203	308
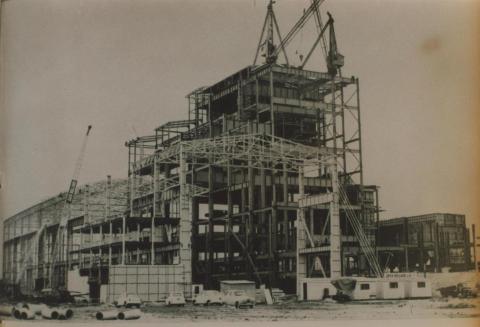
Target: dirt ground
435	308
293	310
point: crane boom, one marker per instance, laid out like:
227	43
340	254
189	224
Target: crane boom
298	25
58	245
78	167
63	218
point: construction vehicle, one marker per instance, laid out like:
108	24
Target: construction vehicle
459	290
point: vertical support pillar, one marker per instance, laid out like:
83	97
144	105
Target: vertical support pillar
265	220
474	243
360	163
272	112
285	212
195	228
209	237
90	245
310	214
249	230
228	225
80	253
405	249
466	251
124	234
273	233
256	102
68	244
342	139
334	116
166	172
447	248
240	96
100	249
335	237
185	227
301	242
436	245
243	227
132	183
108	188
154	211
110	245
138	245
421	246
86	196
406	242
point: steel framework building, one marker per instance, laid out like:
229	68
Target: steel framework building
425	243
245	140
262	181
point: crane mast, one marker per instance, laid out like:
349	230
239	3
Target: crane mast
78	167
58	247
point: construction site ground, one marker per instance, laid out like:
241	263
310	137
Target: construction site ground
293	310
288	310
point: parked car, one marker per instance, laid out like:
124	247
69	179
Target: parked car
175	298
208	297
128	300
239	299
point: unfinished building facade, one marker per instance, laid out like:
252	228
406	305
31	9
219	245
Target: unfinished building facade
237	215
428	242
30	236
242	188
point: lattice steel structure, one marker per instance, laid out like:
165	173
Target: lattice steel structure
241	183
263	180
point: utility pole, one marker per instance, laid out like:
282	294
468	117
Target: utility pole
474	241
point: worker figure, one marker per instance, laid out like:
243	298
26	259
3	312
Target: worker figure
387	270
396	270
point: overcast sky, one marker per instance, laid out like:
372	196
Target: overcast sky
126	66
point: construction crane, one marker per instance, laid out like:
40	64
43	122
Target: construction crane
334	62
273	51
334	59
34	245
57	250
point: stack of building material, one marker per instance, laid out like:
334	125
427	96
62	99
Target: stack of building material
107	315
278	295
65	313
36	308
49	313
6	310
129	314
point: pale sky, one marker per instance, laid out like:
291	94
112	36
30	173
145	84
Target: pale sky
127	65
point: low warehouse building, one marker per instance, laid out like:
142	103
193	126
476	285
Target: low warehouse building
425	243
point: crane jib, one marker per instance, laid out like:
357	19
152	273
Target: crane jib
71	191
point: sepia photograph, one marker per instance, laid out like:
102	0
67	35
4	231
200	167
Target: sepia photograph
240	162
